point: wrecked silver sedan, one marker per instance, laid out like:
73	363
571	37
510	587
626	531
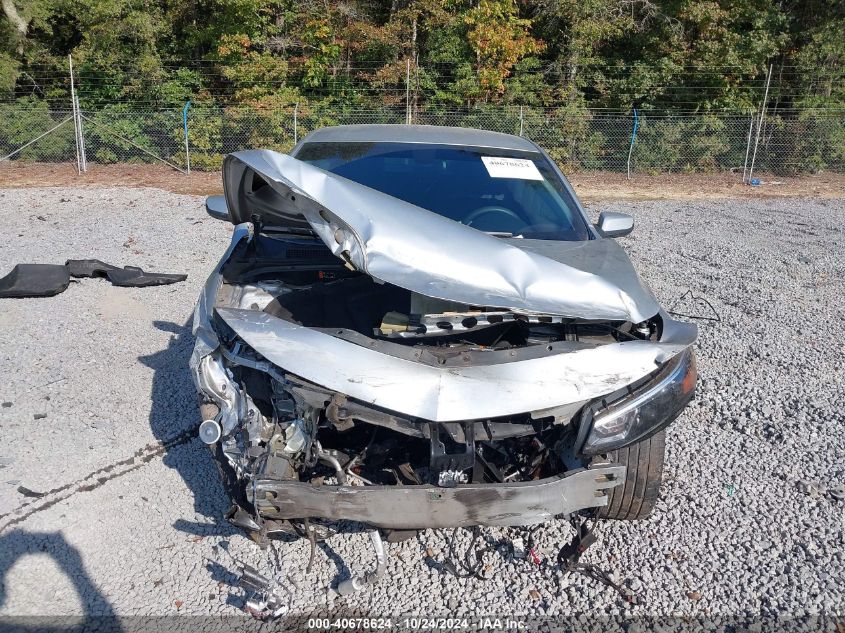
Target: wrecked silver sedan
417	327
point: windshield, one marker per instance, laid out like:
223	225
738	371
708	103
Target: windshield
505	192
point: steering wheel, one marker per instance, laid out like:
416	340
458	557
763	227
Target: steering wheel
472	216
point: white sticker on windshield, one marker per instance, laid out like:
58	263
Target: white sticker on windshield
521	168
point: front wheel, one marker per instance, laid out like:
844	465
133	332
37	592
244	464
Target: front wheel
636	496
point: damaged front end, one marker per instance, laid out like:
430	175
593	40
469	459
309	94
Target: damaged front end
360	358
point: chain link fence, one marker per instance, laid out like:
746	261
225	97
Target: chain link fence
789	142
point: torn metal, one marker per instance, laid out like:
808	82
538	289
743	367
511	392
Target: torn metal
493	384
400	243
264	598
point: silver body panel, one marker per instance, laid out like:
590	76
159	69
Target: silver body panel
446	394
416	249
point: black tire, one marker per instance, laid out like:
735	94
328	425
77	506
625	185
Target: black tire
635	497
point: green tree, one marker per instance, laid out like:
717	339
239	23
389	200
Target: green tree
499	38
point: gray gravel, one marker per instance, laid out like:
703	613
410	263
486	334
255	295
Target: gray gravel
745	524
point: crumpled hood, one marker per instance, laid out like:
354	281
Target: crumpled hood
413	248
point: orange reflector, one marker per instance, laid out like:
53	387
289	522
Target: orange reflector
688	384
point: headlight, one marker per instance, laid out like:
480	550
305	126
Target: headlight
646	409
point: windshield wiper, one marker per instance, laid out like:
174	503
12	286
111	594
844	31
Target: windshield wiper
501	234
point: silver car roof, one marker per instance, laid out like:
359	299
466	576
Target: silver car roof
433	134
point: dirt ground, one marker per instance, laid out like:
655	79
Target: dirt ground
589	185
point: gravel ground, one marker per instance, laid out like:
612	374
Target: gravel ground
131	527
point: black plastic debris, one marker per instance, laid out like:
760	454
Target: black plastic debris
47	280
34	280
128	276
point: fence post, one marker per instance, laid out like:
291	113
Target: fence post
185	125
747	147
82	154
760	124
73	113
415	100
521	121
408	92
295	131
633	138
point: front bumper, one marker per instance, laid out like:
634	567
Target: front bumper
419	507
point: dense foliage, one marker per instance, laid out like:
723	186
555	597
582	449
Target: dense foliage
567	73
668	55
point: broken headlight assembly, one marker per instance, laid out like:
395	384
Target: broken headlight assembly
633	414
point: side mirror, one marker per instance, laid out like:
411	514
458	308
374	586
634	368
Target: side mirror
612	224
216	207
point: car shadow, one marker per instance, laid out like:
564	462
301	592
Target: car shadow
98	612
174	413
